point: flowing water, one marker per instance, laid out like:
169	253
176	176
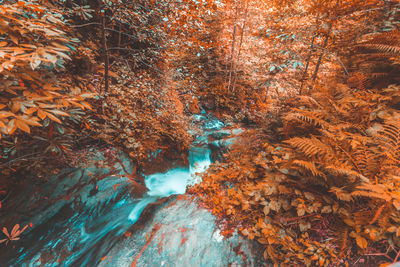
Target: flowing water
174	181
78	219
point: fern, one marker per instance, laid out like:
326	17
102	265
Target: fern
378	191
312	147
387	42
378	57
368	161
308	100
341	194
378	214
343	240
389	138
309	166
311	118
346	171
387	49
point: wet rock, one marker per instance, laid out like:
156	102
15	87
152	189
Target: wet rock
70	208
162	161
217	135
92	215
208	104
180	233
223	140
223	143
82	213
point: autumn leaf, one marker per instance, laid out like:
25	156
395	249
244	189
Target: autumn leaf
15	232
11	127
30	120
30	111
22	125
5	114
52	117
58	112
361	242
34	88
5	231
41	114
262	241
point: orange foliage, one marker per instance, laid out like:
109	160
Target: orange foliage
33	46
317	183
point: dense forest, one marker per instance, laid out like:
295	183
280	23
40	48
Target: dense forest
313	177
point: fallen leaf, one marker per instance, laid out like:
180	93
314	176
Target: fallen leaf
361	242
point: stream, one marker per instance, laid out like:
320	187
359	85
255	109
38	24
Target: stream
92	217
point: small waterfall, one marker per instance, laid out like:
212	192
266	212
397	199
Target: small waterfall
79	228
174	181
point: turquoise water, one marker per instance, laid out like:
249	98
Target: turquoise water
79	218
174	181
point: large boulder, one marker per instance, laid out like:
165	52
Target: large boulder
180	232
71	211
88	217
221	141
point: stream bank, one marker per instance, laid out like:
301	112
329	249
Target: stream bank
94	215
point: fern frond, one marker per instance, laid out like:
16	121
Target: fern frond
378	213
378	188
384	48
385	43
311	147
368	161
385	37
378	191
308	117
309	101
343	239
371	195
379	74
363	217
347	126
390	37
390	133
309	166
341	194
389	138
346	171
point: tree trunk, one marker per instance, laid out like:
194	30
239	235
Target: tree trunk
105	49
324	45
240	45
303	79
310	53
233	49
119	37
321	55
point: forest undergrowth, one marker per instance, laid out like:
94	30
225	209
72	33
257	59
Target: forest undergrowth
315	177
317	181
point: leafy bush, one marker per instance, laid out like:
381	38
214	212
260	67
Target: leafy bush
322	189
33	47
